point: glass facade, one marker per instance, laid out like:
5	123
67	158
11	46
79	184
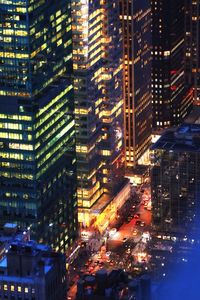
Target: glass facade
97	57
172	97
135	16
176	180
37	128
192	57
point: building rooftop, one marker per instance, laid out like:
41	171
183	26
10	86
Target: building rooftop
102	202
184	138
194	116
114	285
10	104
10	233
41	256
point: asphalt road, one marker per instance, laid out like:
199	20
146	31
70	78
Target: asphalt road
120	249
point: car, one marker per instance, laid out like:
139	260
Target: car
136	216
142	224
71	283
138	222
168	220
112	231
128	251
91	269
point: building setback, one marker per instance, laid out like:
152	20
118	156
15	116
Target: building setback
171	95
97	57
32	271
135	18
37	133
175	180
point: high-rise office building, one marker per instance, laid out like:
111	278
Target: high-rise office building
171	96
135	18
37	133
192	32
97	56
175	180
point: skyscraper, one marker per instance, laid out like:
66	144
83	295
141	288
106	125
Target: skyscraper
135	18
172	97
37	134
175	180
193	46
97	55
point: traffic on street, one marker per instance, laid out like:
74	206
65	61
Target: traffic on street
124	246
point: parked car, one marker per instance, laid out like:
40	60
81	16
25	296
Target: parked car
138	222
136	216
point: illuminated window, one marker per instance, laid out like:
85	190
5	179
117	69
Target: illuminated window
19	289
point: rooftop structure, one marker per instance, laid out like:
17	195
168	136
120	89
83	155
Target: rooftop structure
10	233
184	138
114	285
32	271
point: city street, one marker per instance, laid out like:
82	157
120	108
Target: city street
132	246
124	247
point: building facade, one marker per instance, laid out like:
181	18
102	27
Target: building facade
193	46
175	180
135	18
31	271
171	95
37	133
97	57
